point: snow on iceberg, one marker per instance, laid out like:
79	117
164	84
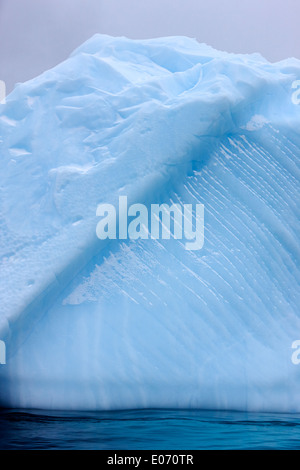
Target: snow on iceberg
91	324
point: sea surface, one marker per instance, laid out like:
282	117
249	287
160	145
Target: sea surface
148	430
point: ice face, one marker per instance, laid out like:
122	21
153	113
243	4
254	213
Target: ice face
92	324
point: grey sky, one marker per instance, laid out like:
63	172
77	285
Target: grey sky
37	34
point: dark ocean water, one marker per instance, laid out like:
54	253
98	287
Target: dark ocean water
148	429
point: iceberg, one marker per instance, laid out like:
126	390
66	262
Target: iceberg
92	324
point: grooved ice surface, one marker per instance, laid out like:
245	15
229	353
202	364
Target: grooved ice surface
91	325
